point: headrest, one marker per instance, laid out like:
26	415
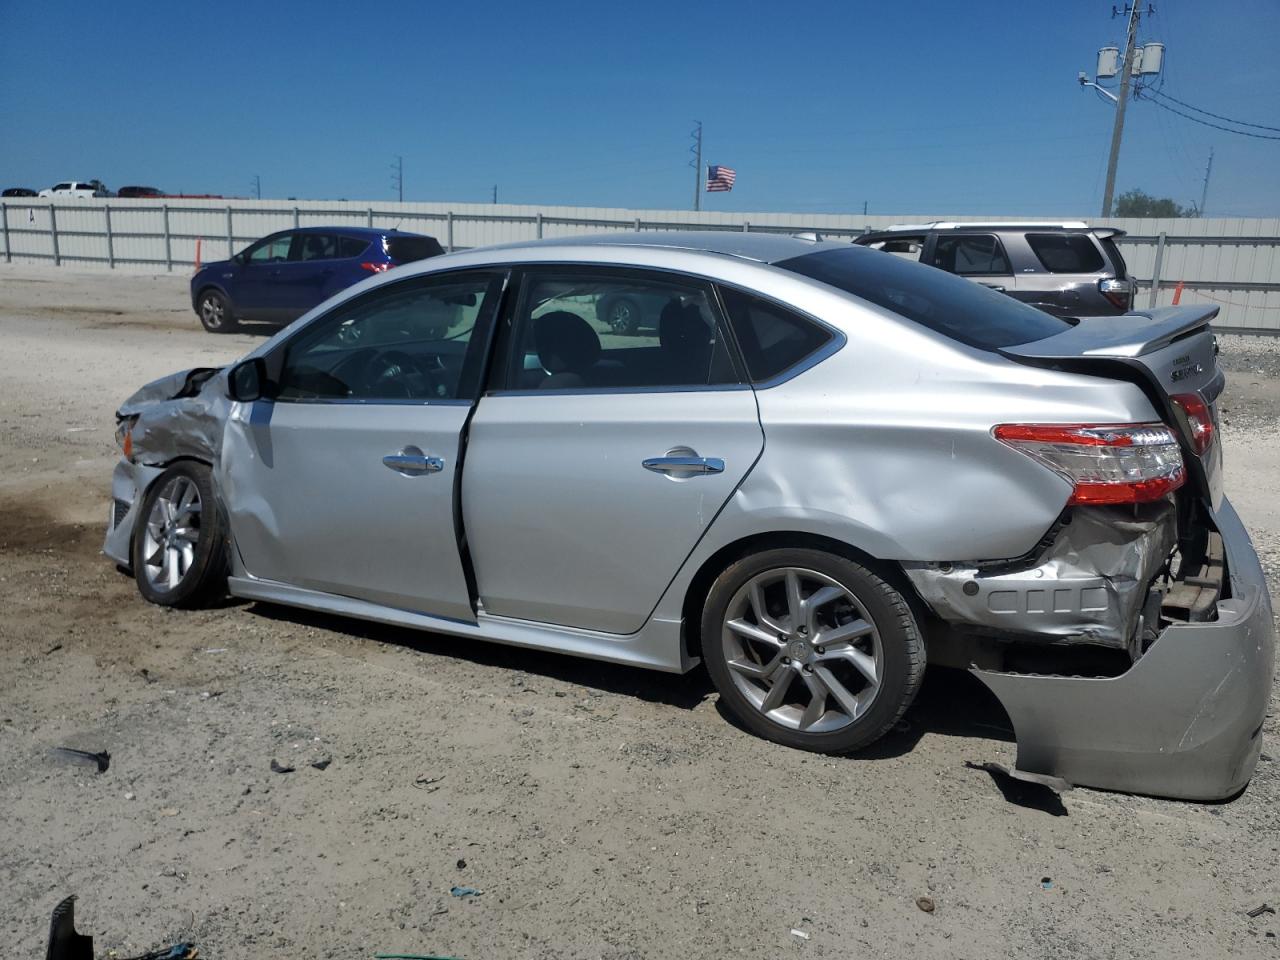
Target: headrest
565	342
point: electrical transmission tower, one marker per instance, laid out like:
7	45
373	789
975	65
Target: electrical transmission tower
696	163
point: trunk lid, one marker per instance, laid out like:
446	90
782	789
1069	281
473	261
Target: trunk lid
1166	351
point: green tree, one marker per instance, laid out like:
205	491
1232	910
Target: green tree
1138	203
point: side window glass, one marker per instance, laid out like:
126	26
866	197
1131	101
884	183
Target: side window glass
406	341
599	330
773	338
908	248
1066	252
315	246
271	251
971	255
351	247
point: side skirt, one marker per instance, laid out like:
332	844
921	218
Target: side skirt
657	646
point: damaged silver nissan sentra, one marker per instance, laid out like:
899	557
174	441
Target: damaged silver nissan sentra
813	466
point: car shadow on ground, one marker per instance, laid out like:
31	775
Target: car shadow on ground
950	702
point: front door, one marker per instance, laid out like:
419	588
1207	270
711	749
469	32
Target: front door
256	293
343	481
600	458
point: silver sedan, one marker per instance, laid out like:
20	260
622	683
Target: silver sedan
812	466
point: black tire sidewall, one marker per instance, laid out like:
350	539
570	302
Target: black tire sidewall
228	324
208	568
902	648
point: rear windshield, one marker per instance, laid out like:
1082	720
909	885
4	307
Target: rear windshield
1117	261
408	249
957	308
1066	252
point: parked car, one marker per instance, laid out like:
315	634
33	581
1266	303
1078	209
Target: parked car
282	276
824	469
1067	268
19	192
79	189
138	193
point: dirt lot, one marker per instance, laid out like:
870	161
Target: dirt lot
603	812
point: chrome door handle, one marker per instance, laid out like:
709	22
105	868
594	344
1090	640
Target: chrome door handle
697	466
413	462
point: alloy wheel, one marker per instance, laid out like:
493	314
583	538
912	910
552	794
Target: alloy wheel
212	312
802	650
171	534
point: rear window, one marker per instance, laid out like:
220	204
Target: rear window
773	339
351	246
408	249
1117	261
957	308
1066	252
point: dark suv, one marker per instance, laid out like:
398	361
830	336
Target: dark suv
1068	268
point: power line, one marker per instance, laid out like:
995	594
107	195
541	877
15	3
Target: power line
1216	116
1215	126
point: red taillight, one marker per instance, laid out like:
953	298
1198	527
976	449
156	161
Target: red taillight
1199	420
1118	292
375	267
1104	463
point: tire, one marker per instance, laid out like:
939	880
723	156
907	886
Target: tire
180	554
869	632
215	312
621	314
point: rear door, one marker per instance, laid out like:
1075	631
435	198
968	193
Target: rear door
303	280
980	257
345	480
1062	273
597	460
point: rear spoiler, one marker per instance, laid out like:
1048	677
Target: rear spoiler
1108	233
1130	335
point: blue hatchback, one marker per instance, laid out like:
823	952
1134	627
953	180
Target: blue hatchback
282	276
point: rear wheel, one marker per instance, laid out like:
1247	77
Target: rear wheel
179	549
215	312
810	649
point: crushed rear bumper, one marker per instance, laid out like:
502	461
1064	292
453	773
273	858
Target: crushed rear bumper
1184	721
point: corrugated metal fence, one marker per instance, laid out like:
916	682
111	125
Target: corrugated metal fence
1232	262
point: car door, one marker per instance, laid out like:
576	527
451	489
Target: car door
597	460
301	281
343	481
256	293
979	256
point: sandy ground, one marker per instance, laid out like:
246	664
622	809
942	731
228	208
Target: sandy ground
603	812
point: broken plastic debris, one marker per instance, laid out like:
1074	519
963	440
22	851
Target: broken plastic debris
464	891
102	759
427	783
1259	911
1038	791
322	764
64	942
412	956
280	768
1046	883
802	934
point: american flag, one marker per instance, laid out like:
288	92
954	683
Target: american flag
720	178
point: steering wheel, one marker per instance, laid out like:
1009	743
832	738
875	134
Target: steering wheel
387	373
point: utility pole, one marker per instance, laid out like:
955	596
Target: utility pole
864	208
397	177
696	163
1117	131
257	186
495	193
1204	194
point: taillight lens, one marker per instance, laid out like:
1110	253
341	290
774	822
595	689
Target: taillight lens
1199	420
375	267
1118	292
1109	463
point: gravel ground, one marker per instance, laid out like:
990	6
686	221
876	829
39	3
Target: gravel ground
602	812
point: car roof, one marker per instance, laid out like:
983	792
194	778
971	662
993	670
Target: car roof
760	247
1046	226
370	232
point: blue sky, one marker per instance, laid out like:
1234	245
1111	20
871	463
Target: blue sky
938	107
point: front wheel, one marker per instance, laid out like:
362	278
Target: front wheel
179	548
811	650
216	313
622	314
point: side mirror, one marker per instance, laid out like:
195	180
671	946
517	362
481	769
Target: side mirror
247	380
